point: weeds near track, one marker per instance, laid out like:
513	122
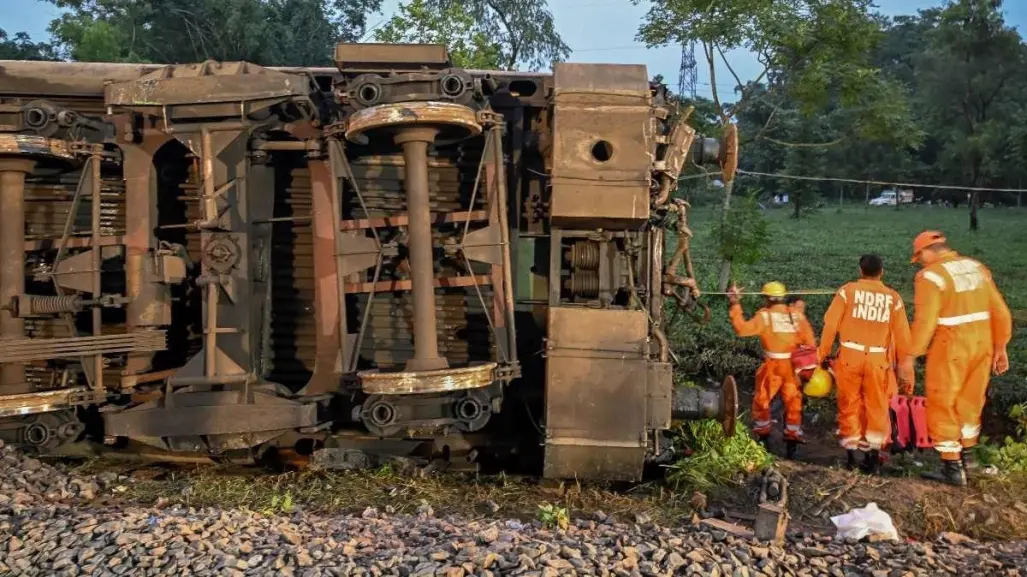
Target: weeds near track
1011	455
715	460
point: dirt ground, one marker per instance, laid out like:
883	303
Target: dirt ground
991	508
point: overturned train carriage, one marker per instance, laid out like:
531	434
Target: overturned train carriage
392	257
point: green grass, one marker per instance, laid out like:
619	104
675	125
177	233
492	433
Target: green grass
822	250
716	461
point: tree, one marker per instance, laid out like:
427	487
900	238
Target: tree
21	47
814	53
468	46
265	32
968	78
499	33
806	160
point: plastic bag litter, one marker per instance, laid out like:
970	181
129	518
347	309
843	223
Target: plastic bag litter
869	520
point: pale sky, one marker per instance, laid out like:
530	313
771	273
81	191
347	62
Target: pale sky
597	31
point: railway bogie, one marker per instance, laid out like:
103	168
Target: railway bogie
395	256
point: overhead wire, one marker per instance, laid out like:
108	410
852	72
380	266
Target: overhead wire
877	182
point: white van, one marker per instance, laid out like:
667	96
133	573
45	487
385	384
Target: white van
892	197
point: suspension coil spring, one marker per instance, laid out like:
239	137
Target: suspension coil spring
34	305
585	255
584	283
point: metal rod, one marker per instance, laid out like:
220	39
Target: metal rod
281	145
504	235
213	289
800	292
236	379
96	254
12	263
415	143
359	341
220	127
284	219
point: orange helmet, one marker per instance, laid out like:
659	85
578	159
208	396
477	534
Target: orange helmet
924	240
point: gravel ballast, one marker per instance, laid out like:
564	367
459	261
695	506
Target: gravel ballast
50	525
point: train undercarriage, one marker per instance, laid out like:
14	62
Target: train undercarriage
392	257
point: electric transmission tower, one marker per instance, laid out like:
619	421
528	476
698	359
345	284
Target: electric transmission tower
688	75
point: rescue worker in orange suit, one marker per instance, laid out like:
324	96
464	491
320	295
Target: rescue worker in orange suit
780	330
867	317
963	325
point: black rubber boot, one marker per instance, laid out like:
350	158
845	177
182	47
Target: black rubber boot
872	463
968	460
791	448
851	463
952	473
763	440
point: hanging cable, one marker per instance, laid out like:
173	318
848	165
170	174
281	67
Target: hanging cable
879	182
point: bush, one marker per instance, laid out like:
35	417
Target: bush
1011	456
743	236
553	517
713	459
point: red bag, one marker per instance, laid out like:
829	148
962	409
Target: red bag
804	358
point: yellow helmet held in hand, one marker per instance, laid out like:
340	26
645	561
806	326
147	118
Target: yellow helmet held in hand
774	289
819	384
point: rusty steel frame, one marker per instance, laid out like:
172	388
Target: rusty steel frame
12	262
587	361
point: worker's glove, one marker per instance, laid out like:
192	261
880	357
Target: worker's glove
1000	362
734	294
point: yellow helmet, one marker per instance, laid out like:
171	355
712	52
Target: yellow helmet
774	289
819	384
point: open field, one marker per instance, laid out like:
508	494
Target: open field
821	251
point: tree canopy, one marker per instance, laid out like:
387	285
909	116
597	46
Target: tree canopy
266	32
961	70
931	97
469	46
21	47
500	34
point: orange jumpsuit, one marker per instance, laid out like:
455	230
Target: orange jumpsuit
780	330
893	360
868	318
961	321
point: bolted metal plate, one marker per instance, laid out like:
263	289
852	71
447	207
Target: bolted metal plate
596	393
603	146
659	386
354	57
